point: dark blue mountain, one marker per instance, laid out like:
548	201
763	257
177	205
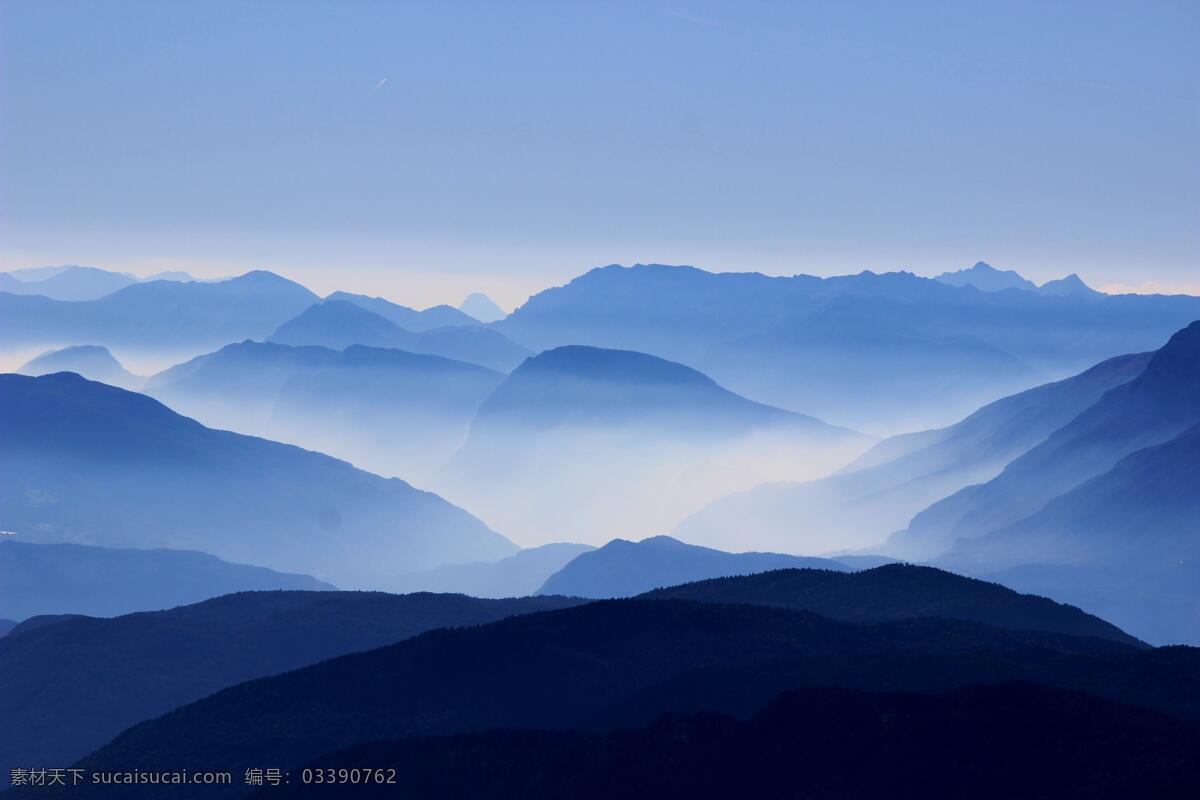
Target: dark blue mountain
881	491
624	569
896	592
91	361
390	411
580	442
157	316
1125	544
338	324
72	685
99	581
618	663
6	625
516	576
408	318
92	464
1156	406
835	347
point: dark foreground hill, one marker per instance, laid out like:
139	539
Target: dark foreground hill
103	582
92	464
895	592
617	663
73	684
989	743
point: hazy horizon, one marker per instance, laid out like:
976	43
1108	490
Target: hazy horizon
509	298
423	151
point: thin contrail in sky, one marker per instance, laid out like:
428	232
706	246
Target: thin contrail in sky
378	86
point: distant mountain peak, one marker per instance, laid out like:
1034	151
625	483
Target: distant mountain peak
985	277
94	362
1070	285
481	307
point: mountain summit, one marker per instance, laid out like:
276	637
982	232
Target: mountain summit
481	307
985	277
579	442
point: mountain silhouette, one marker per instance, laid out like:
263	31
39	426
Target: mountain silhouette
618	663
409	318
158	316
516	576
1150	409
839	743
69	283
91	361
92	464
98	581
832	347
624	569
897	478
338	324
481	307
1071	285
390	411
895	592
1125	543
72	685
579	442
987	278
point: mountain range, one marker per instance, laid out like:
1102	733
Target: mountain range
884	353
987	278
72	684
75	283
97	581
580	442
157	317
390	411
1125	544
883	489
1154	407
618	663
93	464
340	323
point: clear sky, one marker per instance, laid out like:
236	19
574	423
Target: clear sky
422	150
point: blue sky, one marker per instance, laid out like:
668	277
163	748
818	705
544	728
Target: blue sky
422	150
